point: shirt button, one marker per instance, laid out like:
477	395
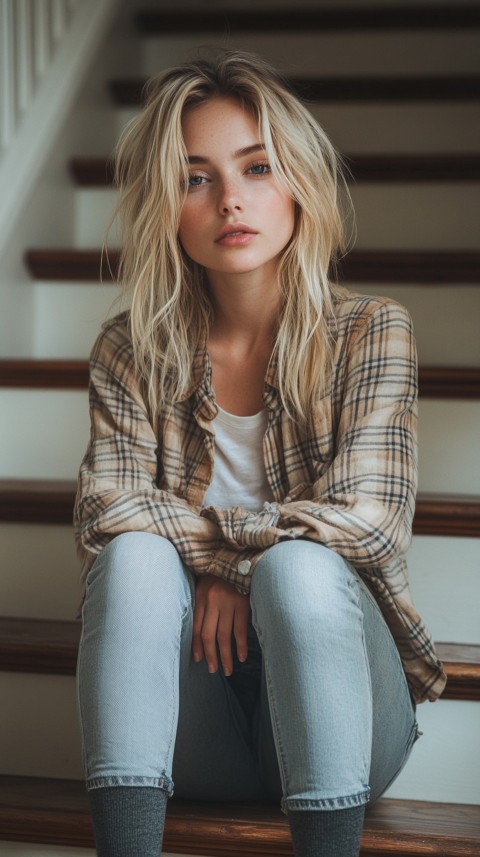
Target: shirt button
244	566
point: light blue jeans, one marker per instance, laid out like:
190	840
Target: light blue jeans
319	716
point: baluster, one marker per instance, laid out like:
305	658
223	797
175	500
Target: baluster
24	54
42	43
7	72
59	18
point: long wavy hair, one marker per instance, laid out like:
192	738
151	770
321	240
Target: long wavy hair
170	306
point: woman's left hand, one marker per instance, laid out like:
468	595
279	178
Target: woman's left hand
220	611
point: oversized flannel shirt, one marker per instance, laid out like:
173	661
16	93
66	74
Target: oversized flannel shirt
348	480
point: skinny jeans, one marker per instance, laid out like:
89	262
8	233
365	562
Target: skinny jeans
319	716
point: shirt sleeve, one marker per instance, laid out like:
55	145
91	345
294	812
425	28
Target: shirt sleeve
363	504
117	489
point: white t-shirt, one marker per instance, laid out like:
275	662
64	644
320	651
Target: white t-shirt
239	477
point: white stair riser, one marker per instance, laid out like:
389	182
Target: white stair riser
43	434
445	319
82	308
445	761
387	127
409	216
43	578
445	585
381	53
448	446
388	216
39	725
41	572
39	732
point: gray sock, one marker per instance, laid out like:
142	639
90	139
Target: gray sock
128	821
319	833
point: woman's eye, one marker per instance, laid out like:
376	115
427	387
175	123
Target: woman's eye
196	181
259	169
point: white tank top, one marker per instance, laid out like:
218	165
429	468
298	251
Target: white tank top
239	477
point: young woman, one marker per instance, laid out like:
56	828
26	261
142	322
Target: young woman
246	499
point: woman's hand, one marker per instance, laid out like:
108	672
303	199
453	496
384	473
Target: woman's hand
219	611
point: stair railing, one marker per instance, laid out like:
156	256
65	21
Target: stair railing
45	50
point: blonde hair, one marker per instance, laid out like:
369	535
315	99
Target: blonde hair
170	307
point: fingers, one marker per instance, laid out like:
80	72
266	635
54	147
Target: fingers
240	626
220	611
197	644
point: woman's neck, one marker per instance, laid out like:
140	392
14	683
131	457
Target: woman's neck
241	341
245	312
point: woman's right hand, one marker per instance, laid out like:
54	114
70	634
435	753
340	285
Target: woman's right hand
220	611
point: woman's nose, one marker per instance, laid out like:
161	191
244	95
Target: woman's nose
229	197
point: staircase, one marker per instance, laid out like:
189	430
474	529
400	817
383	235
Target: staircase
397	88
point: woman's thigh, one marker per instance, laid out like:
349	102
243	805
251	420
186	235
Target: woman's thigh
338	698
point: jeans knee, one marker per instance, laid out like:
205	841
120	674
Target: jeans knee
138	568
301	582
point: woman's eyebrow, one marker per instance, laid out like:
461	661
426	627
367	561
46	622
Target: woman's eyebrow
240	153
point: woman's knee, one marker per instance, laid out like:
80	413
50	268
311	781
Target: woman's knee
301	579
138	568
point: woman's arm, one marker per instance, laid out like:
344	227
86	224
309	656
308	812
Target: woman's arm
117	489
363	505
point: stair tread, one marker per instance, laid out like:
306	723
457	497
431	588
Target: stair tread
56	811
98	172
461	87
51	501
354	17
50	646
435	267
450	382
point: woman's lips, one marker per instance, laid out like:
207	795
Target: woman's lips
236	235
236	239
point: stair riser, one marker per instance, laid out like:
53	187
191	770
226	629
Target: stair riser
446	759
43	578
369	128
43	571
451	340
82	307
388	216
39	717
446	322
45	434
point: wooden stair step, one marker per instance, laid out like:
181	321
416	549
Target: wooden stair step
435	382
33	809
51	646
98	172
360	266
366	17
128	92
51	502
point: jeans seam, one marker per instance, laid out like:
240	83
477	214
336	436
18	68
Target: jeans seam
174	674
273	715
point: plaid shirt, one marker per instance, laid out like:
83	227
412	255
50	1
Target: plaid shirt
348	480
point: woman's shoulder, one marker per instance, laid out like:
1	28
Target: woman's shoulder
352	309
114	336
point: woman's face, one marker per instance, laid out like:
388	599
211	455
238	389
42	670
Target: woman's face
236	219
